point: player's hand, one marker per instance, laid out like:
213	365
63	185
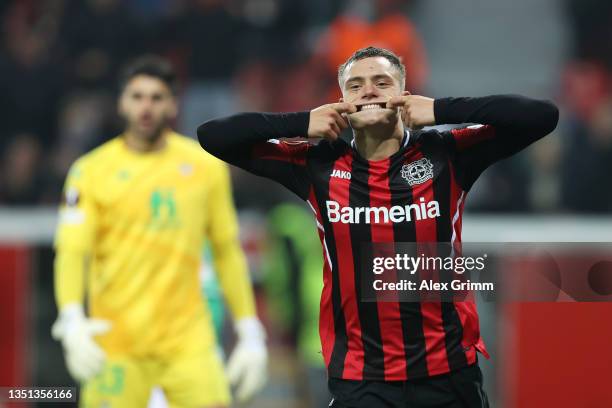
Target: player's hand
417	111
247	368
328	121
84	358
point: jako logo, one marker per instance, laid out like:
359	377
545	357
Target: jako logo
369	215
341	174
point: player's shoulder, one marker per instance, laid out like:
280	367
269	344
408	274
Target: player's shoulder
98	156
330	150
434	137
426	134
184	143
189	149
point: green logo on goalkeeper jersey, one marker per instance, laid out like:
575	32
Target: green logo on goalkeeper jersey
112	380
163	209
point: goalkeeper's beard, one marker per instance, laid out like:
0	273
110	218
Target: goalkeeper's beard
148	136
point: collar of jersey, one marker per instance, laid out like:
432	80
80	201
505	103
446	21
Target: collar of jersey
145	155
405	143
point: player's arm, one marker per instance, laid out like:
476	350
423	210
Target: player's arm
247	365
511	123
251	141
517	121
73	246
229	259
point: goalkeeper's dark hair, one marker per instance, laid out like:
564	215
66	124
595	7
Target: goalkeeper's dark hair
149	65
370	52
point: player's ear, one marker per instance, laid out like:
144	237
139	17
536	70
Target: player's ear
406	93
341	99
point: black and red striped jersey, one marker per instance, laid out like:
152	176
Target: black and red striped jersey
415	195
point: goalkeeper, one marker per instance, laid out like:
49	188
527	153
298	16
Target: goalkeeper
133	221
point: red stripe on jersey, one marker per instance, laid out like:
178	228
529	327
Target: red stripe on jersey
433	329
339	192
472	135
279	150
388	310
326	318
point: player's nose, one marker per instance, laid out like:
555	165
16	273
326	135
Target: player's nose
146	111
370	91
147	104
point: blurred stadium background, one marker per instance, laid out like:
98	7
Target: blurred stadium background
58	66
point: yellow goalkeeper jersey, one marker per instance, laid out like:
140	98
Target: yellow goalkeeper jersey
140	221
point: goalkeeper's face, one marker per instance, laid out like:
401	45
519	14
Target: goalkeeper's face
148	106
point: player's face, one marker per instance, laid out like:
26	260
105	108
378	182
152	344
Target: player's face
148	106
368	84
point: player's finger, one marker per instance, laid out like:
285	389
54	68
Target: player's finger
334	126
333	134
411	124
340	120
396	102
405	117
344	107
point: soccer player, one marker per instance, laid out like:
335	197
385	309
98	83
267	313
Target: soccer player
386	354
132	226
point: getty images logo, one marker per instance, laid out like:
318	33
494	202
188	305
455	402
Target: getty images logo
369	215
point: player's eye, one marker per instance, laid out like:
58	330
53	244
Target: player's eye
157	97
354	87
136	96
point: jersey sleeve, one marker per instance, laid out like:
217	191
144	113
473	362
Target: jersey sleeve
228	258
75	235
78	212
504	125
69	278
282	161
252	141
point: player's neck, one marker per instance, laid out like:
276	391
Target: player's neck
377	144
140	144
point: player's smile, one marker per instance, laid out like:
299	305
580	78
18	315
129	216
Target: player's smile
372	113
371	106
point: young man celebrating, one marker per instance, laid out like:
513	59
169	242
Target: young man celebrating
132	227
386	354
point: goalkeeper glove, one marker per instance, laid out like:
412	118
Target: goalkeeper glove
247	366
84	358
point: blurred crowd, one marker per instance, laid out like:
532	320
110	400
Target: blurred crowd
59	61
